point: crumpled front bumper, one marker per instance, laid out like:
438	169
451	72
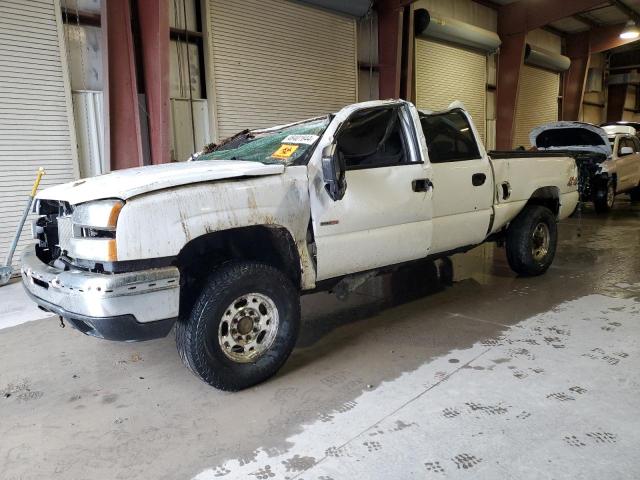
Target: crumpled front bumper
131	306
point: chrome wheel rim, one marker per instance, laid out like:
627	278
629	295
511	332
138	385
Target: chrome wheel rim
540	242
611	194
248	327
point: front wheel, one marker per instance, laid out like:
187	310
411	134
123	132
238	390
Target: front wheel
242	328
635	194
605	198
531	241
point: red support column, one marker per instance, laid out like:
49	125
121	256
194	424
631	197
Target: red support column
509	65
574	79
390	19
154	33
123	147
616	97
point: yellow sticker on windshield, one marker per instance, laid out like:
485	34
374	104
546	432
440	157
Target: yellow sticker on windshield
285	151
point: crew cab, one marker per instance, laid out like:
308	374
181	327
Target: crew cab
608	158
223	246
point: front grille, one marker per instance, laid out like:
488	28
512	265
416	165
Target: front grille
65	232
54	229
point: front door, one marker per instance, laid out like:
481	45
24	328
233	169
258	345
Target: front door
627	165
384	217
463	180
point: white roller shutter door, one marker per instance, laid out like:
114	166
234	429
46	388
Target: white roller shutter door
35	108
537	102
445	73
276	61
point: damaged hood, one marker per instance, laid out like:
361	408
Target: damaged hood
124	184
572	136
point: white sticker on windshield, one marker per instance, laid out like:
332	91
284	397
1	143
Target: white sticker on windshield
303	139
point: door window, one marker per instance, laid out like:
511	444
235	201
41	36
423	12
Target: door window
373	138
625	142
636	144
449	137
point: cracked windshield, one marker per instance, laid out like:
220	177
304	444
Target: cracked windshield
284	145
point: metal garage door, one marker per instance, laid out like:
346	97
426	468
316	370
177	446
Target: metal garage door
537	101
276	61
445	73
35	108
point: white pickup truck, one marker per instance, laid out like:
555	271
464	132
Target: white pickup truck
224	245
608	158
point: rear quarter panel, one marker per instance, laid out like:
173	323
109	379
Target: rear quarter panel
525	176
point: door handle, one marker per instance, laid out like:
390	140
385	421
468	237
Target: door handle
421	185
478	179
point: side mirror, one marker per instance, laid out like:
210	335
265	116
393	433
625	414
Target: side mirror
626	151
333	172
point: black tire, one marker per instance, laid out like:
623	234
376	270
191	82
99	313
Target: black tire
604	198
197	335
635	194
521	244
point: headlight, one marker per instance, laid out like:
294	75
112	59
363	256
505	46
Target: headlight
94	230
99	215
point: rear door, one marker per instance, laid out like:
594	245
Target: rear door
385	215
462	177
635	165
626	165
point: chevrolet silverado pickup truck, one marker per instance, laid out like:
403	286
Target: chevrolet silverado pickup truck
223	246
608	158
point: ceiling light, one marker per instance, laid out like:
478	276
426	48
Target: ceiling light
630	31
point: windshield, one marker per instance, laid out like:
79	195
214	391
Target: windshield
280	145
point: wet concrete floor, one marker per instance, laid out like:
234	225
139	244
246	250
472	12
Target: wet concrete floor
453	370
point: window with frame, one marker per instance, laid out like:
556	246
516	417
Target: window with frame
625	142
373	138
636	144
449	137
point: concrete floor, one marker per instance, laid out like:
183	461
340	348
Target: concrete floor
492	377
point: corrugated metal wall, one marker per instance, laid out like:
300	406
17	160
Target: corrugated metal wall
182	134
35	108
445	73
275	61
592	114
537	101
89	122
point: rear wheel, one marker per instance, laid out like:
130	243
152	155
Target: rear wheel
635	194
531	241
605	198
242	328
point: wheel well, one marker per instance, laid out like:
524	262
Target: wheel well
271	244
547	197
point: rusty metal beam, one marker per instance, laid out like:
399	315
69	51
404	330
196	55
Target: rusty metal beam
616	97
123	147
390	21
577	48
407	86
509	66
154	37
607	37
522	16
